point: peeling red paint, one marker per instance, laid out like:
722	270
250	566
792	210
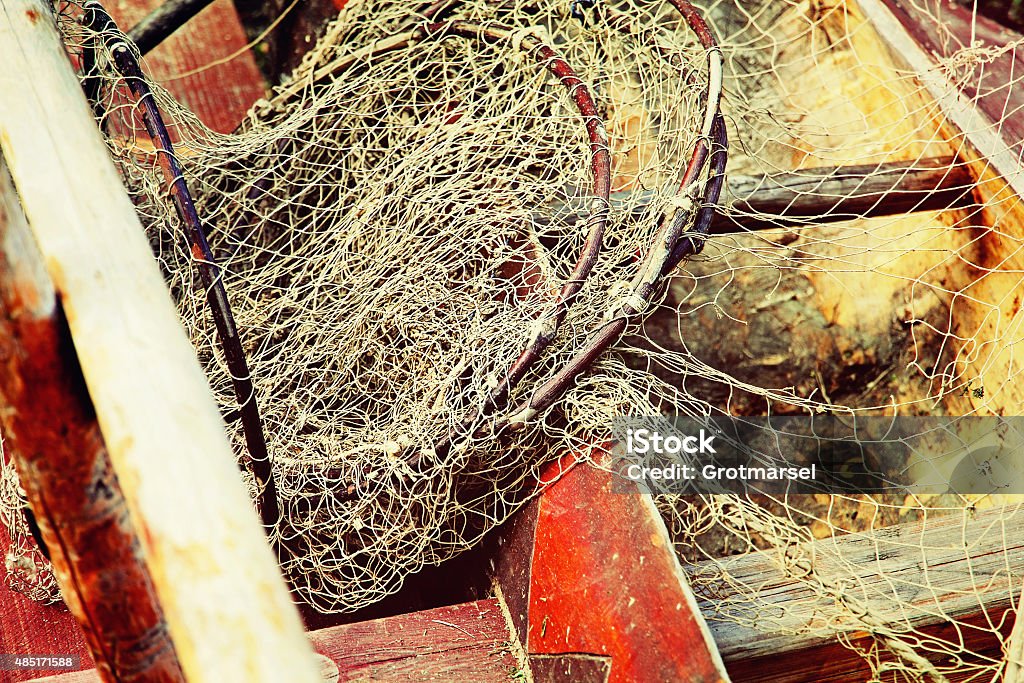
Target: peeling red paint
602	580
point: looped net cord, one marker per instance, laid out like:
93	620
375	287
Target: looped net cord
392	224
391	234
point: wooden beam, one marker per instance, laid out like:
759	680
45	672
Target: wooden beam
826	195
890	20
467	642
226	605
595	591
51	434
942	29
949	578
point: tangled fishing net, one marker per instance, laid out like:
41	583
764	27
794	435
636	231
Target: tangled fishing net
401	218
395	226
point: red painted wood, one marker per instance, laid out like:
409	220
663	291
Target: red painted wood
604	582
219	94
461	642
28	627
570	668
89	676
467	642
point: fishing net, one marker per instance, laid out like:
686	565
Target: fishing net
400	219
908	315
395	226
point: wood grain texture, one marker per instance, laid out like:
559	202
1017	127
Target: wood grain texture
815	196
467	642
88	676
52	436
570	668
826	195
227	607
462	642
920	576
220	94
906	36
513	565
942	29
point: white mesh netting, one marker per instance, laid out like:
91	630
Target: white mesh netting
393	223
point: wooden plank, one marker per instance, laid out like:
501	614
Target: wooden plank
921	576
834	663
298	31
461	642
27	626
191	63
602	583
467	642
55	443
985	134
942	29
227	607
824	195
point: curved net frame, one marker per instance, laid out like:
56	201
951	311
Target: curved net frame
398	221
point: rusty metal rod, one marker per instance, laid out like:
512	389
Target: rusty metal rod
97	18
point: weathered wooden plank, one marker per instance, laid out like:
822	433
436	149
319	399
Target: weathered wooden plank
993	143
918	576
467	642
55	443
835	663
27	626
942	29
469	625
201	539
88	676
825	195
